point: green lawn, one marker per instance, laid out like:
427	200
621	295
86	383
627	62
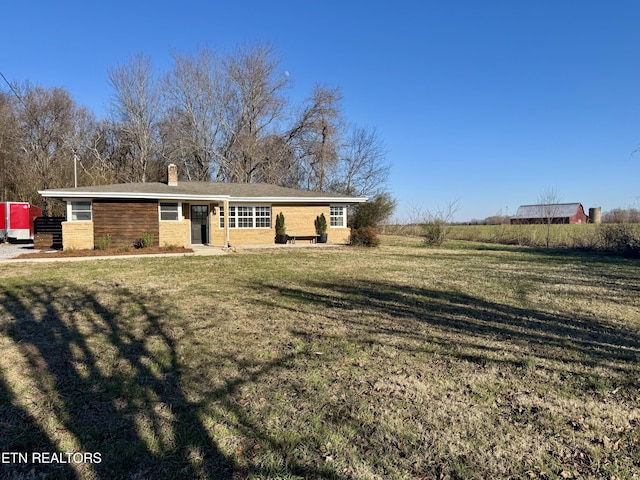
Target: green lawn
468	361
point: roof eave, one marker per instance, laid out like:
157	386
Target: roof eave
301	199
208	198
130	195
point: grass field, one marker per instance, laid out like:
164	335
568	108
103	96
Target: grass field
470	361
621	238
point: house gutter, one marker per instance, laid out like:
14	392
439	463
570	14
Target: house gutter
201	198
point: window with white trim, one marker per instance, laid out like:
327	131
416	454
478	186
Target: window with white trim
247	216
169	211
338	216
263	217
80	211
244	216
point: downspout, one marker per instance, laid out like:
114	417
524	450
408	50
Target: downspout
226	223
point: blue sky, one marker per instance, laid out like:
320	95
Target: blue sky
487	103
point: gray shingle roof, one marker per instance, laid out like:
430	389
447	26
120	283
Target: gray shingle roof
542	211
191	189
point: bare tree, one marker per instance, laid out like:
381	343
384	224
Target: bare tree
191	128
362	168
622	215
280	165
98	159
315	136
47	129
549	209
252	107
218	118
136	106
8	143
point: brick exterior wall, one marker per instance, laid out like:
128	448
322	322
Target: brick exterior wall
175	233
299	220
338	235
77	235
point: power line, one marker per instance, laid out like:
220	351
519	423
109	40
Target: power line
14	91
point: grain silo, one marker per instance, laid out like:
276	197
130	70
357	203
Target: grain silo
595	215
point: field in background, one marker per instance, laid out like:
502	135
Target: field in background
470	361
561	236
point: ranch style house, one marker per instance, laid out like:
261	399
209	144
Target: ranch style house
192	213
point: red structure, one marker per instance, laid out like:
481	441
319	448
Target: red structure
568	213
16	220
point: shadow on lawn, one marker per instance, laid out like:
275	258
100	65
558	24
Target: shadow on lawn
94	374
556	337
109	374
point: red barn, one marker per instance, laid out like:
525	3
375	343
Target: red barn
572	213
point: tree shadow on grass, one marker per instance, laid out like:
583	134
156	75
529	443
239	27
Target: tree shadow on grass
103	378
474	321
20	433
103	373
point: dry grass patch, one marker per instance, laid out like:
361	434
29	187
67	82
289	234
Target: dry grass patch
399	362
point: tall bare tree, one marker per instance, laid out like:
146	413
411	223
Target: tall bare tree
191	127
8	144
99	157
315	136
362	168
224	118
252	106
136	107
280	166
47	133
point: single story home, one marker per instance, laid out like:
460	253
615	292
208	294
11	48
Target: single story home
192	213
572	213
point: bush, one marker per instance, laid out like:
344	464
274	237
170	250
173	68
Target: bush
435	225
145	241
366	217
320	224
434	233
373	212
623	239
104	242
364	237
281	229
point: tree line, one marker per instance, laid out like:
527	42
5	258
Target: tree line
222	118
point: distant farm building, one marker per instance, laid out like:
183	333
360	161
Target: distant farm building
572	213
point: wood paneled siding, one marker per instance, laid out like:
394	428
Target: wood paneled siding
125	220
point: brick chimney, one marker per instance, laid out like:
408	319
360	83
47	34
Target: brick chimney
172	175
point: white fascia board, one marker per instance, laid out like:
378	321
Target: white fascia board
203	198
299	199
148	196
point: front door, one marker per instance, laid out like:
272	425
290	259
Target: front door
199	217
